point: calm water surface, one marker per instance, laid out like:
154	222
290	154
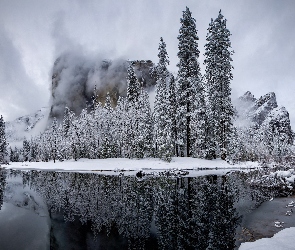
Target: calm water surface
68	210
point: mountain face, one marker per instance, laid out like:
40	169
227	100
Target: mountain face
264	114
74	80
26	126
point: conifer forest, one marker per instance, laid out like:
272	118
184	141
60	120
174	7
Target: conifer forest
192	116
133	153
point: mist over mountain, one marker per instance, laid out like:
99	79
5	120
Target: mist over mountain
75	77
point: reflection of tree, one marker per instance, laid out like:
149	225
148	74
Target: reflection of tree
165	213
2	185
198	214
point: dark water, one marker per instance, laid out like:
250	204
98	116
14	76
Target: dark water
68	210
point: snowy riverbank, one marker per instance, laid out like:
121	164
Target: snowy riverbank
282	240
123	164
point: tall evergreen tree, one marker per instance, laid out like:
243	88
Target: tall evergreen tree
198	125
218	76
133	91
172	110
3	143
26	149
144	124
120	124
54	141
67	120
162	120
108	146
133	88
188	76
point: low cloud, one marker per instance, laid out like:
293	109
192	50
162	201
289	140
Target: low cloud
19	95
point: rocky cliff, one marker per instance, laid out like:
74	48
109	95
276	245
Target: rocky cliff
263	114
74	79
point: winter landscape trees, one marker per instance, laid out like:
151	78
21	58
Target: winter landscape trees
187	79
218	75
193	115
3	143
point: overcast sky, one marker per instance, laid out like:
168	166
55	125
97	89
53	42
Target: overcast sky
34	32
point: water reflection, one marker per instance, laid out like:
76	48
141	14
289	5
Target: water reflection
2	185
125	212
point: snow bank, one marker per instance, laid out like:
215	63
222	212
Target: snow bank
289	175
282	240
120	164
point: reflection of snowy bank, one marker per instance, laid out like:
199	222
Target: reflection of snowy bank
282	240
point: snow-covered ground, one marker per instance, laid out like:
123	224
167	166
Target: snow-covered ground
283	240
123	164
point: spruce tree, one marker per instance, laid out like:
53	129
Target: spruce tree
54	140
162	120
120	124
133	88
108	147
218	76
26	149
133	92
172	104
198	125
144	131
188	76
67	120
3	143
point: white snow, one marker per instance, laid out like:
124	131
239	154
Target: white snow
119	164
289	175
286	173
283	240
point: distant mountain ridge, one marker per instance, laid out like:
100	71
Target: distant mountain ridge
263	113
27	125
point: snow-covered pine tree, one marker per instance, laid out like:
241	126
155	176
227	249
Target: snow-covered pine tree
133	92
198	125
67	120
3	143
218	76
144	131
26	150
162	111
75	140
236	149
172	110
92	136
83	128
33	150
14	154
98	126
54	140
120	124
133	88
108	147
188	75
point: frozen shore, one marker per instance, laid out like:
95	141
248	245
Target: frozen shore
123	164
